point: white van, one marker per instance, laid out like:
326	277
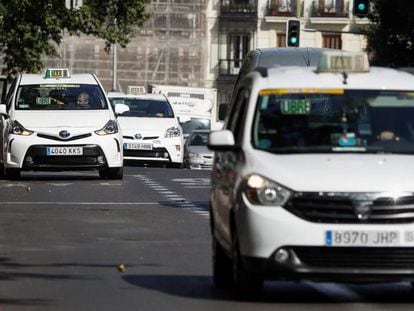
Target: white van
313	176
57	121
151	131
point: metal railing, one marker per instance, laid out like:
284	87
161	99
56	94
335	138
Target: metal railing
281	8
228	7
337	9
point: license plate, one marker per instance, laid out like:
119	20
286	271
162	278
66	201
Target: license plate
64	151
362	238
137	146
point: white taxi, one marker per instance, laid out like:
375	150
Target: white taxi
57	121
313	176
151	131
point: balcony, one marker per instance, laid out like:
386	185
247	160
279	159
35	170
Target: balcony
234	9
229	67
281	8
330	9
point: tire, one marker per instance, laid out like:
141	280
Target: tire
102	174
12	173
245	284
112	173
222	267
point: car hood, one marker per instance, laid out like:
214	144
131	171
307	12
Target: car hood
146	124
41	120
338	173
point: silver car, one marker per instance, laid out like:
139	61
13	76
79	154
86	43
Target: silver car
196	153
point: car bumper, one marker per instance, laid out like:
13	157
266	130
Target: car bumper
167	151
268	230
199	163
29	153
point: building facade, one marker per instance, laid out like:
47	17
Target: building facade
237	26
201	43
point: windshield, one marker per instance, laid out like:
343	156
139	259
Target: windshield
195	124
199	139
147	108
60	97
334	121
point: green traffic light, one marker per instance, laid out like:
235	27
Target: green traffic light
361	7
293	40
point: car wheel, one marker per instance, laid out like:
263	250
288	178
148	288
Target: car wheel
115	173
11	173
246	284
222	268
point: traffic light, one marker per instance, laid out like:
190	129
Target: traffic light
292	32
361	8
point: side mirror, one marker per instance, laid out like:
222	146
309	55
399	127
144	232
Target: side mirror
222	141
120	109
3	110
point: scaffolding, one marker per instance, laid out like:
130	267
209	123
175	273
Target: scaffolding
171	48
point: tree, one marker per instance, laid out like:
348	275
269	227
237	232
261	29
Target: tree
391	34
31	29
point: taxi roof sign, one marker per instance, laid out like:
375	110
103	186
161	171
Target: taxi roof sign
56	73
136	89
342	61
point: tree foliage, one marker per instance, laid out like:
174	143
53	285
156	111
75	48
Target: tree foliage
32	29
391	34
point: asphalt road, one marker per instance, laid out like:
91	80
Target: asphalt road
71	241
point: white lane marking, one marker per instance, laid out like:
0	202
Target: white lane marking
110	184
176	199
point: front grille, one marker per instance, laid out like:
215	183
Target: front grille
356	257
144	138
156	153
64	139
344	208
36	157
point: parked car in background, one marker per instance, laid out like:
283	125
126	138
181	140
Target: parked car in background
196	153
151	131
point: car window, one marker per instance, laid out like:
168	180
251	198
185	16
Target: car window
139	107
237	115
199	139
60	97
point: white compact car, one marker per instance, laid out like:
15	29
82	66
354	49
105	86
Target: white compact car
151	131
58	121
313	176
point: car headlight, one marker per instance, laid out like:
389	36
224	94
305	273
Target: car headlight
262	191
172	132
110	128
18	129
193	155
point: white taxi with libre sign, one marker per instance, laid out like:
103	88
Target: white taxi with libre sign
151	131
58	121
313	176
